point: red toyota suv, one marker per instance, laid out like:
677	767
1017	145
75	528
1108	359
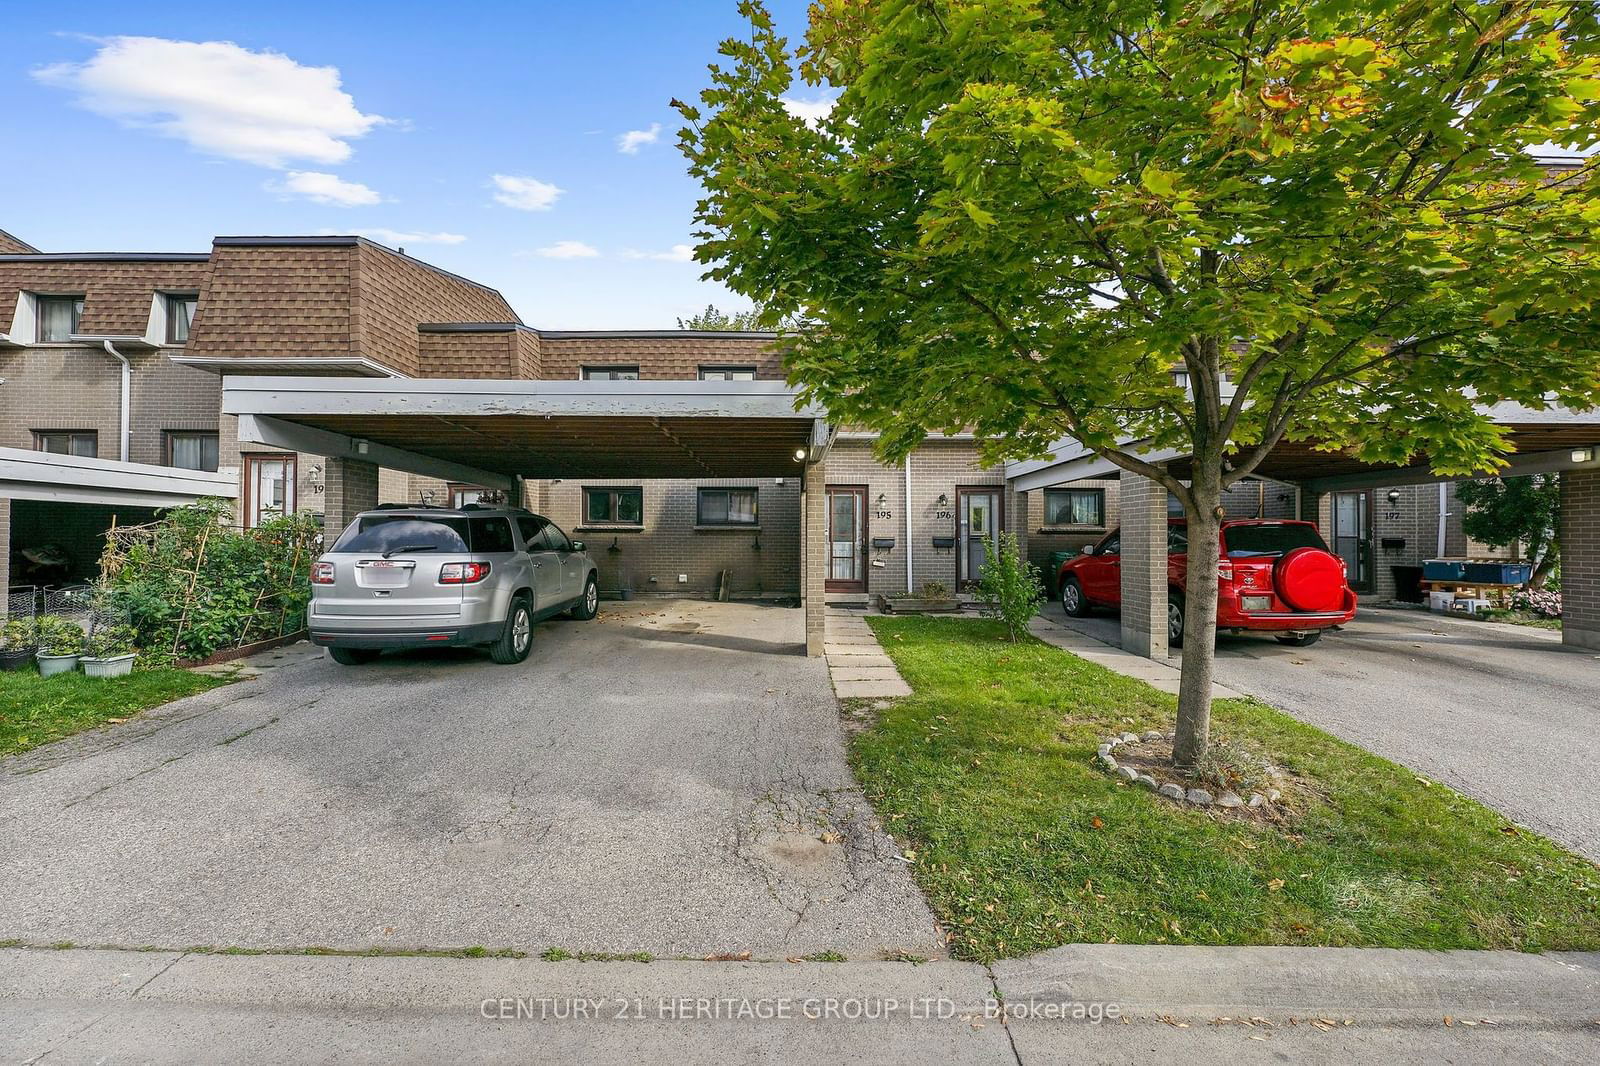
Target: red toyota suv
1276	576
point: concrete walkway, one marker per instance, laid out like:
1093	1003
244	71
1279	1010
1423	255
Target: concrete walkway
1094	1003
1085	645
857	664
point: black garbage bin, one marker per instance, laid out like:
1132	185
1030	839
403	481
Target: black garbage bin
1407	583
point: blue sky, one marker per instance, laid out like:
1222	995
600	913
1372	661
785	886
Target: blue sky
137	128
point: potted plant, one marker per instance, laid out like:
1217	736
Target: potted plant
17	645
60	642
109	652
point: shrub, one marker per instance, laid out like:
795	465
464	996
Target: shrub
17	635
55	635
108	642
191	583
1009	588
1545	602
935	590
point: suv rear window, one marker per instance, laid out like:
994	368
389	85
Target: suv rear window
1244	542
491	535
383	533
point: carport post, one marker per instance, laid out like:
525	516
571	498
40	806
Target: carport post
813	553
351	487
1144	566
1580	558
5	555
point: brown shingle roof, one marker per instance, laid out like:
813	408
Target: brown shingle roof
10	245
117	290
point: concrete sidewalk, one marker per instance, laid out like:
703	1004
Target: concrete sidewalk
1222	1005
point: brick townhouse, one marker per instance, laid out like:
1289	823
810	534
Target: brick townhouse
85	335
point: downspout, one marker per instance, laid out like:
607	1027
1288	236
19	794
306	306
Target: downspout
127	385
910	585
1443	517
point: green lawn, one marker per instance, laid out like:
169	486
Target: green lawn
985	776
36	710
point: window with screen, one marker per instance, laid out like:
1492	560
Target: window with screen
58	317
1074	507
67	442
191	450
611	373
613	506
727	507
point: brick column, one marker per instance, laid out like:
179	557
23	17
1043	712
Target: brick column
1144	566
352	487
1580	558
813	553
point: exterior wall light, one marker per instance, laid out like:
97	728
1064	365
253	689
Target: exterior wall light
1582	455
799	455
1394	495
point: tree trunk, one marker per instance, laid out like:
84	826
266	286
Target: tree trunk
1200	618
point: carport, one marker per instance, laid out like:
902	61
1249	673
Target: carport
1542	441
71	500
496	433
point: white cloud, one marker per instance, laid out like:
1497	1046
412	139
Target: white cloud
396	238
629	143
224	100
328	189
567	250
811	112
678	253
524	194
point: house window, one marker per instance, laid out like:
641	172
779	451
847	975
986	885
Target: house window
191	450
268	487
727	507
1074	507
84	442
608	506
611	373
180	316
58	317
727	373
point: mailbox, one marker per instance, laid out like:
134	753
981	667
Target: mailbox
883	544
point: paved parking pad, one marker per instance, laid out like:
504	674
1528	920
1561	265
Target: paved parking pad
669	778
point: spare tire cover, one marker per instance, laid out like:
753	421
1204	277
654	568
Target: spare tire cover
1310	579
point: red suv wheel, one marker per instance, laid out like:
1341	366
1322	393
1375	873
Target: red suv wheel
1310	579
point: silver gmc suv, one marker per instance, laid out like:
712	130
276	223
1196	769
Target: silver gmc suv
413	577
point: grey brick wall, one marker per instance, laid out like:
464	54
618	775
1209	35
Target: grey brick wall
1580	557
352	487
648	558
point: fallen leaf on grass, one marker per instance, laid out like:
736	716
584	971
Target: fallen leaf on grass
1274	884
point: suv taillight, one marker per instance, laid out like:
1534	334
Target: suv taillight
322	573
1225	570
463	573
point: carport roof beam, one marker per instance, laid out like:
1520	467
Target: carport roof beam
276	433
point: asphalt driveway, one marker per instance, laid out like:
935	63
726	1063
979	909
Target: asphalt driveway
1506	714
668	779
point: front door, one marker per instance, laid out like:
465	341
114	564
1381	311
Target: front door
1352	536
847	538
269	488
977	532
